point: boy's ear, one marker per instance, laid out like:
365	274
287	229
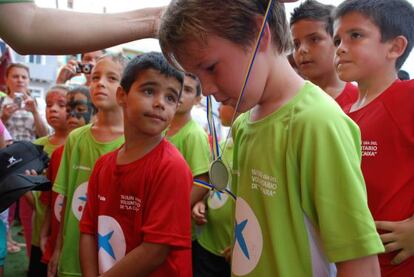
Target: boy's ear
397	47
266	40
197	100
121	96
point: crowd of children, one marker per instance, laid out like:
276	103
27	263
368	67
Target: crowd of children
320	154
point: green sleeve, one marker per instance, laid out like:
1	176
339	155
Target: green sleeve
197	152
332	186
62	177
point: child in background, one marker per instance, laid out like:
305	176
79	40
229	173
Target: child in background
211	249
82	148
189	137
301	193
79	110
311	25
137	217
374	38
3	215
56	118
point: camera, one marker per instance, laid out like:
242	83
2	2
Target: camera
84	68
19	99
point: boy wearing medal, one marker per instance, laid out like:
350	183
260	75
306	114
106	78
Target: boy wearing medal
215	214
137	218
301	194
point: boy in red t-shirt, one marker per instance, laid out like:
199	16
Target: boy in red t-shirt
136	220
374	38
311	25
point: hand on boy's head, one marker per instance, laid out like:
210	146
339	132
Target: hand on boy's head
400	237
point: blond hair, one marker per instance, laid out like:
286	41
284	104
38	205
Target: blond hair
234	20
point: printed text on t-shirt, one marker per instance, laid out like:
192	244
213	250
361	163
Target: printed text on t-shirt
263	182
369	148
130	203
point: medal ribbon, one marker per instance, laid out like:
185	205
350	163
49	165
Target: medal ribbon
212	128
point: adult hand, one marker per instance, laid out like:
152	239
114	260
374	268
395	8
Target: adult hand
400	237
67	72
8	111
30	104
199	213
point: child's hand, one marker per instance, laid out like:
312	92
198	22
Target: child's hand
399	237
43	241
31	172
53	264
199	213
227	253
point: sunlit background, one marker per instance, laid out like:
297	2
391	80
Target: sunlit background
110	6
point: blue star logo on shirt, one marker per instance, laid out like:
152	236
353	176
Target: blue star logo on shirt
82	198
103	242
240	238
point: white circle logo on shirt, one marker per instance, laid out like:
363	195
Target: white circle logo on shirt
248	243
79	200
58	206
217	200
111	242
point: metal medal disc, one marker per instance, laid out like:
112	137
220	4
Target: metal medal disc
219	175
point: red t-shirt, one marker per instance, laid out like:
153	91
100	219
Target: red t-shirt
348	96
54	201
387	130
147	200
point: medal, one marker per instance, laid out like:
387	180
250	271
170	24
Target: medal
219	175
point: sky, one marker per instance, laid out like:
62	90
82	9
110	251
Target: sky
152	44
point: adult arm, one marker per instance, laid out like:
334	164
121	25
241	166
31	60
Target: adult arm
28	28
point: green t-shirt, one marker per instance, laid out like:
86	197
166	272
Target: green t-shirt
79	156
192	142
217	234
301	194
39	208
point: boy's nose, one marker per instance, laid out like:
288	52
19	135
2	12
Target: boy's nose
303	49
159	102
341	49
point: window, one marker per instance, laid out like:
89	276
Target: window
36	59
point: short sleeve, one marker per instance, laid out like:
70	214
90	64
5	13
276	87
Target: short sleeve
197	152
62	177
88	222
333	191
167	214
